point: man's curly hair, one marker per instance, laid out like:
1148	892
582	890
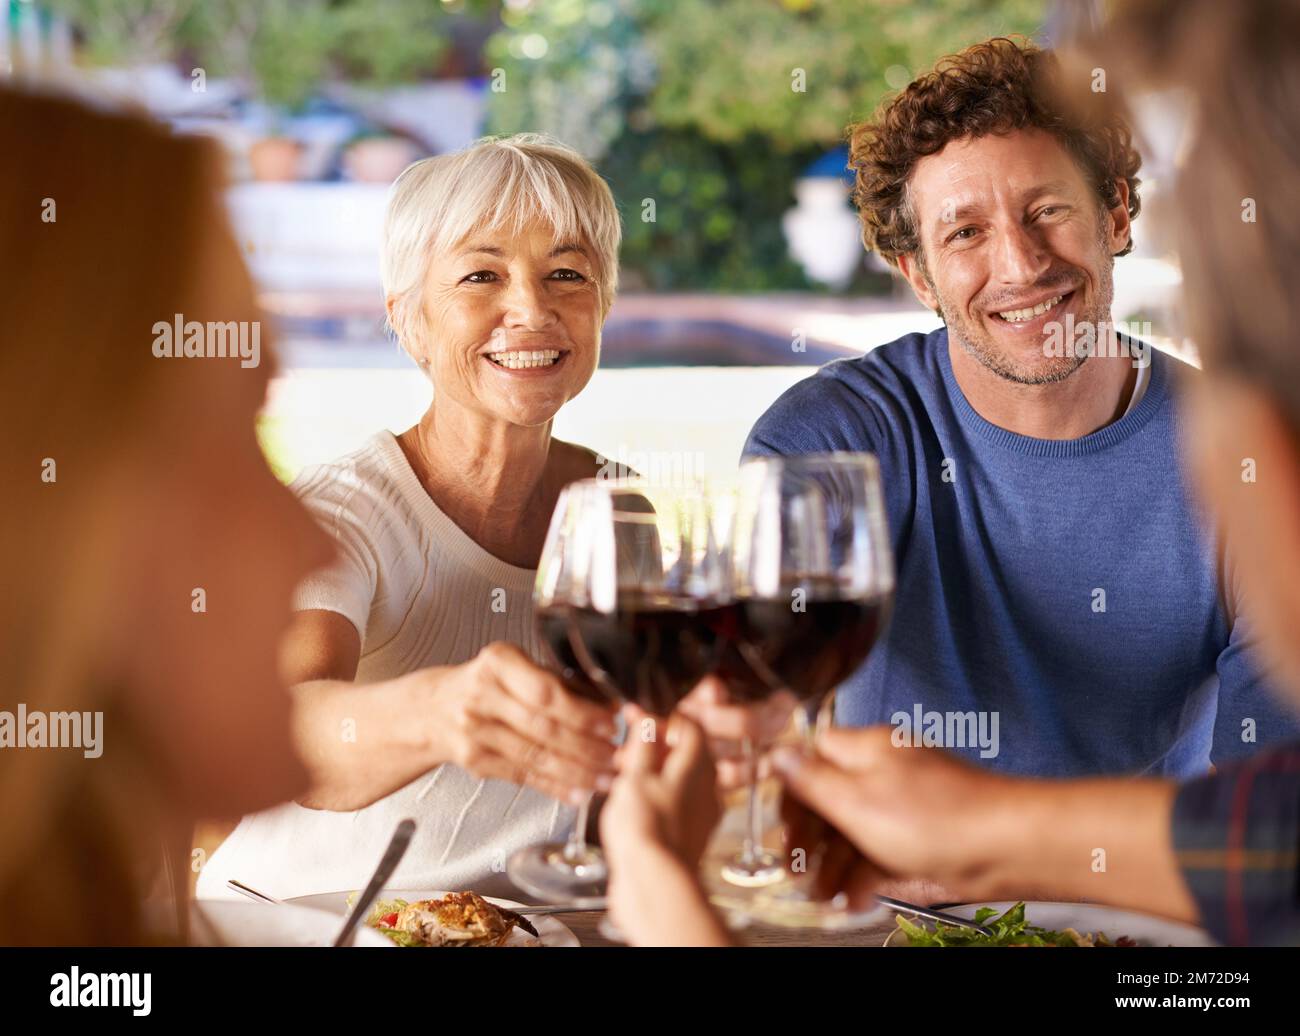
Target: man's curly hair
997	86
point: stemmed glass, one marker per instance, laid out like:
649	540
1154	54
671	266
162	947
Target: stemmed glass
629	593
812	581
573	870
753	526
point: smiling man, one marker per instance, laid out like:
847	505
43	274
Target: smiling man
1052	569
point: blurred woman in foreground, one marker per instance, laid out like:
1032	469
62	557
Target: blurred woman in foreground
1220	850
149	553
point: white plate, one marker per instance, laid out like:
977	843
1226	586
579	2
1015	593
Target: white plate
221	922
1087	918
550	931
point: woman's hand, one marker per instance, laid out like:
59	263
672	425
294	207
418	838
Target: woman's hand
501	715
727	724
666	793
498	715
654	829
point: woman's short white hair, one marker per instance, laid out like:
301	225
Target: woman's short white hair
497	183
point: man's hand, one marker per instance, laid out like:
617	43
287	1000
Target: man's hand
886	812
868	812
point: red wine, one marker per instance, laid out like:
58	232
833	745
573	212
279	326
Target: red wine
773	646
553	628
652	649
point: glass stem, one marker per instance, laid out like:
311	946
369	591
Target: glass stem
826	712
805	724
575	851
812	717
754	826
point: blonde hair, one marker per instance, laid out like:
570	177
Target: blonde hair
497	183
87	262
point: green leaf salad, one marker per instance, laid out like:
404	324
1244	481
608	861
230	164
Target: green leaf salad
1010	929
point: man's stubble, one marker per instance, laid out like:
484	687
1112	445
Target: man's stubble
970	335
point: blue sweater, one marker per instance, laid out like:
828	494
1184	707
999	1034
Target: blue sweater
1069	586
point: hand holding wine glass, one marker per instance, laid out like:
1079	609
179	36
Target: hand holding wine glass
874	811
666	790
501	715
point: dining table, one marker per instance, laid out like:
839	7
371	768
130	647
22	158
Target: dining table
726	840
585	926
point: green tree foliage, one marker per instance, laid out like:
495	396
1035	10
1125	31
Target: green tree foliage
692	103
716	212
124	31
590	78
728	68
286	48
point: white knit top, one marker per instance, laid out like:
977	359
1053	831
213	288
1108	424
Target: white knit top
421	593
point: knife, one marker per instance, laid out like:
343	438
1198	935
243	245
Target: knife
397	847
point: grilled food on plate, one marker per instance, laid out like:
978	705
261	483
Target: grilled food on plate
457	919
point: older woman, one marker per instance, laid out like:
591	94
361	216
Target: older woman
413	656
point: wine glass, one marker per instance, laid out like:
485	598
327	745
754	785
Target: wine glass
754	522
650	625
629	593
812	581
573	870
646	624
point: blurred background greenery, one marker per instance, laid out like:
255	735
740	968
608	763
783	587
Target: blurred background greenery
711	108
719	125
714	107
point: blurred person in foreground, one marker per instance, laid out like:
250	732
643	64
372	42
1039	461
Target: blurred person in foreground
1218	850
149	552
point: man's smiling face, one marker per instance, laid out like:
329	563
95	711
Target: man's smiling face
1014	239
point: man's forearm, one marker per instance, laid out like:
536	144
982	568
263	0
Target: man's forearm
1107	840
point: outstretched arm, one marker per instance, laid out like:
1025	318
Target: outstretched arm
922	813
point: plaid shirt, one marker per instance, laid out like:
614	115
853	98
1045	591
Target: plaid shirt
1237	836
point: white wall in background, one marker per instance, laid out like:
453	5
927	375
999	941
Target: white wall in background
693	416
305	236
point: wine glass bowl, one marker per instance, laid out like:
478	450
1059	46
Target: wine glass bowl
648	626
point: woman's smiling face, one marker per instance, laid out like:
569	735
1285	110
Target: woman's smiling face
511	324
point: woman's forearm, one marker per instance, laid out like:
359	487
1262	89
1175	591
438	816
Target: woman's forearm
657	900
1107	840
361	742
